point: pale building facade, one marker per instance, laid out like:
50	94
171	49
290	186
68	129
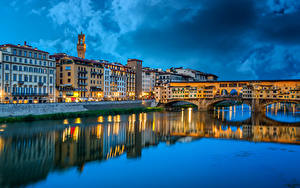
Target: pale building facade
149	79
27	75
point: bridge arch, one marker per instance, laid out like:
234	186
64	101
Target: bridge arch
213	103
265	103
171	103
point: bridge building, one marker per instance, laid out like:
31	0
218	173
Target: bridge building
256	93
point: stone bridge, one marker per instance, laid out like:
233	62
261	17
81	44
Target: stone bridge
256	93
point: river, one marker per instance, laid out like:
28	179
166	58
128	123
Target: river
229	147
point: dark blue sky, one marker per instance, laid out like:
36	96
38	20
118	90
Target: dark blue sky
235	39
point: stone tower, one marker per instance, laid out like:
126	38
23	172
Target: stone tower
81	46
137	65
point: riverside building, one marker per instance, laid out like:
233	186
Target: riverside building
78	79
136	65
119	81
149	78
27	75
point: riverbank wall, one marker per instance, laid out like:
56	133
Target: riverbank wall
14	110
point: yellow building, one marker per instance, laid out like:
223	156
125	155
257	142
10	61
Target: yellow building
78	79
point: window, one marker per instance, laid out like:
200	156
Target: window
45	79
15	67
35	78
44	56
69	73
69	80
68	68
25	53
20	77
35	55
26	78
30	54
20	52
20	60
7	58
6	66
14	51
15	77
51	80
20	68
6	76
30	78
40	56
25	60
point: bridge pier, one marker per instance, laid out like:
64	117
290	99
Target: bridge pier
257	106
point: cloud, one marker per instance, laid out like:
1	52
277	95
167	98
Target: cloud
233	38
38	11
272	62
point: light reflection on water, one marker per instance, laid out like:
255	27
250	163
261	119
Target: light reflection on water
46	153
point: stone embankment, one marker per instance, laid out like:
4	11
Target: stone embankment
7	110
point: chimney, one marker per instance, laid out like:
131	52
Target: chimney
25	43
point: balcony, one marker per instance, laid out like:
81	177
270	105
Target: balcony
82	71
40	83
82	77
26	94
95	89
82	84
20	82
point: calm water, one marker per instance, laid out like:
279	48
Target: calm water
226	148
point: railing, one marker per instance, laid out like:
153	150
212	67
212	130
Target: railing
82	71
82	77
21	82
82	84
28	94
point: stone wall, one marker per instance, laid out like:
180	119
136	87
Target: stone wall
52	108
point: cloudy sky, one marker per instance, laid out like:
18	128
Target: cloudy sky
235	39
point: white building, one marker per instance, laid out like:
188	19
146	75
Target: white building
27	75
106	82
195	74
148	81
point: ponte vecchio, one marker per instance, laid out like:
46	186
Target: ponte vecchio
256	93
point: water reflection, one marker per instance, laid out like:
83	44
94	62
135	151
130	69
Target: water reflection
284	112
29	151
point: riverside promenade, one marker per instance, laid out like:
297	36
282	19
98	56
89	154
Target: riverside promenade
8	110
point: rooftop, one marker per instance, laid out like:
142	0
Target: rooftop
24	47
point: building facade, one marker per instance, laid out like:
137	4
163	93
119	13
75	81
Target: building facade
136	65
78	79
195	74
27	75
149	78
